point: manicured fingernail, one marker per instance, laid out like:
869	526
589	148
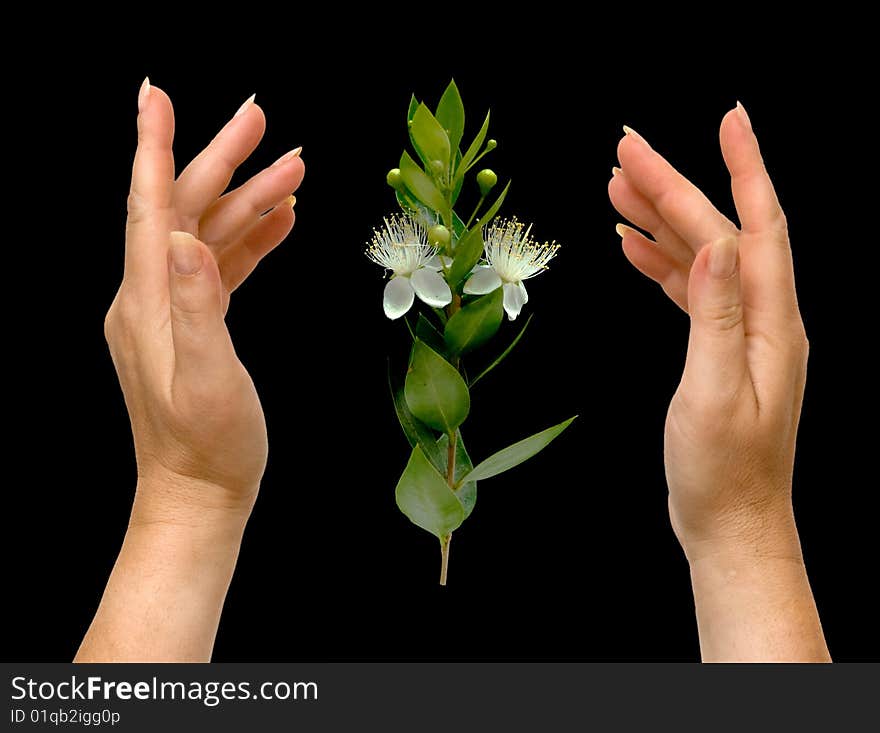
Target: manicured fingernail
743	115
288	156
144	94
723	257
186	255
246	106
291	201
615	171
622	229
635	136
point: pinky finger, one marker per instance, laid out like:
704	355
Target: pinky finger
656	264
239	260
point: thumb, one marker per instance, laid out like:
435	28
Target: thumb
716	358
201	341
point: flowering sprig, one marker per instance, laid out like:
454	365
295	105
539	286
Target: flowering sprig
470	273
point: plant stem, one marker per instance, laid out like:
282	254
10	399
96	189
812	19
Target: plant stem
479	204
444	557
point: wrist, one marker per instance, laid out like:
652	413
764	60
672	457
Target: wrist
189	505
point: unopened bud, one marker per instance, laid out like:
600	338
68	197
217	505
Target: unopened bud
491	144
438	236
486	180
393	179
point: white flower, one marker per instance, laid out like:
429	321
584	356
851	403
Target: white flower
402	247
511	257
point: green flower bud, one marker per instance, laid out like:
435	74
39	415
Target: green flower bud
437	166
486	180
394	180
438	235
491	144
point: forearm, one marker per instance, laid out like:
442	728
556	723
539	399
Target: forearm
757	606
166	591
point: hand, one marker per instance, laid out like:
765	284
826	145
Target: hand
731	426
199	431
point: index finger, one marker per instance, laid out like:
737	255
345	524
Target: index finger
152	182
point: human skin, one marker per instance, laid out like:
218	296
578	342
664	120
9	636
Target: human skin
732	423
197	422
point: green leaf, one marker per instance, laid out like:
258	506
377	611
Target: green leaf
515	454
456	189
420	185
424	497
429	137
407	201
493	209
475	324
503	353
466	493
427	332
472	151
435	392
458	227
416	432
450	114
413	106
467	254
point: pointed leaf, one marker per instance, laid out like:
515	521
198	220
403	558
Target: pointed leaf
466	493
504	353
467	254
515	454
472	151
416	432
475	324
435	392
413	106
458	227
419	184
427	332
429	137
424	497
450	114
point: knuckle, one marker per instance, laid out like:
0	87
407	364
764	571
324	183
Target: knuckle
137	207
723	316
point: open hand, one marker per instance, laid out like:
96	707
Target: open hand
732	423
199	431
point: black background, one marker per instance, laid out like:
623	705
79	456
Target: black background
567	556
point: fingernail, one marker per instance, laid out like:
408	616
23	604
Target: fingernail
743	115
244	108
144	94
288	156
622	229
291	201
635	136
723	257
615	171
186	255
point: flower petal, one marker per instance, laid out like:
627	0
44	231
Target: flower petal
514	299
431	287
438	262
398	297
483	280
522	290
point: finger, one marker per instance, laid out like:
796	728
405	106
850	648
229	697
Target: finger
630	203
756	203
236	212
716	359
239	260
152	181
201	341
681	204
207	176
649	259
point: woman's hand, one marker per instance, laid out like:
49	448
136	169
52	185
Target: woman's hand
732	423
199	432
